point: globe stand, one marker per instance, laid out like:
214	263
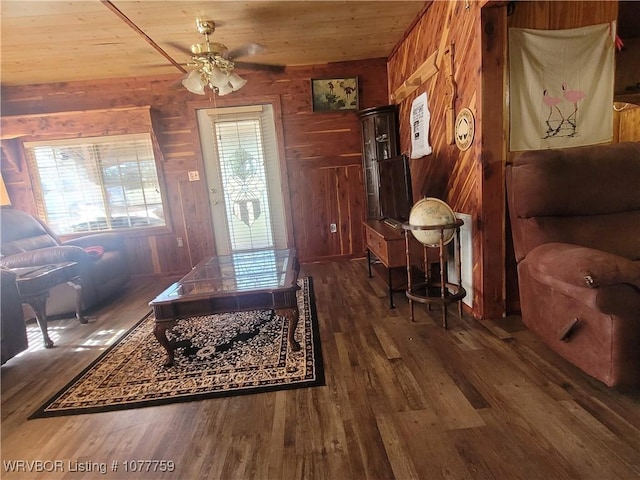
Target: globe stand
448	292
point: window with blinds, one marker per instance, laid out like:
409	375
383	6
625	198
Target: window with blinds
95	184
244	181
243	174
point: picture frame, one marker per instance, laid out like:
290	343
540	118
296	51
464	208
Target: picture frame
334	94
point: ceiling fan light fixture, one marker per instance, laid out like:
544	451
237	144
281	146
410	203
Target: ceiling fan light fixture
214	63
194	82
236	81
217	78
224	90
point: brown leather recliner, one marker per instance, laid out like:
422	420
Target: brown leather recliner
104	271
575	219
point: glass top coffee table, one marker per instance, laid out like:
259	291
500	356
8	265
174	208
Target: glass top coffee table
231	283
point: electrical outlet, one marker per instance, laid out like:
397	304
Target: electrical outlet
333	228
179	242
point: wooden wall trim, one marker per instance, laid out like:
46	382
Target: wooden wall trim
78	123
9	118
424	72
492	122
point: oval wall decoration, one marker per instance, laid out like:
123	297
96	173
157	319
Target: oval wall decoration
465	129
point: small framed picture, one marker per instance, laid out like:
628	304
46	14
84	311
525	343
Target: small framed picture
334	94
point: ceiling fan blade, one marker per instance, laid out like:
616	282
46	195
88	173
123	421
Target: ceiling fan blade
260	66
243	51
166	65
183	49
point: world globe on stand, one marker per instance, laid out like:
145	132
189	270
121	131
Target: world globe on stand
431	211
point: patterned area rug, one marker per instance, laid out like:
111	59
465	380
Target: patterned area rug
216	355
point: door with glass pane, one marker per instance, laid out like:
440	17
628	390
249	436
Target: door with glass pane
243	178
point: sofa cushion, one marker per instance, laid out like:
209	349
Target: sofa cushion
616	233
566	182
111	265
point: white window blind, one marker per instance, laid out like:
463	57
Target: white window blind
99	183
247	155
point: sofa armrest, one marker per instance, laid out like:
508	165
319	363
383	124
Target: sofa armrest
582	266
109	241
46	256
7	277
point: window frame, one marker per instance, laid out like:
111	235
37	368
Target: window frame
36	187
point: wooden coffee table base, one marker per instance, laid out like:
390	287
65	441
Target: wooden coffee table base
160	331
292	315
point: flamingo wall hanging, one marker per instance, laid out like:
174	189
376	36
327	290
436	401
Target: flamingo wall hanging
561	87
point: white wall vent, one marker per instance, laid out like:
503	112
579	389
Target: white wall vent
466	258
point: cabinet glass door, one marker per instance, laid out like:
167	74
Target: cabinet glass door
370	166
379	141
382	138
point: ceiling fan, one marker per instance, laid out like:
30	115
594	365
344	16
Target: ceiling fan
214	63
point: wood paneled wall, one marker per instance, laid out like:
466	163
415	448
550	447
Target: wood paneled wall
626	122
558	15
322	156
472	181
448	173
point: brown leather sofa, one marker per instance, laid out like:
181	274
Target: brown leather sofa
104	271
13	333
575	219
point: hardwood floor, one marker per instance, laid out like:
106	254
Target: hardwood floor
402	400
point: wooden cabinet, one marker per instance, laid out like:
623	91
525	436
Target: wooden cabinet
387	245
379	128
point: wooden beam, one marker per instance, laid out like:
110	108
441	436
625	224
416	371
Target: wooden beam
111	121
138	30
492	125
423	73
450	116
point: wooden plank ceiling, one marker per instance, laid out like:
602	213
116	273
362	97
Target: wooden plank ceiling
54	41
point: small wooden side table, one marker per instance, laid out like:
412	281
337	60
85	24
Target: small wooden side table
448	292
33	287
387	244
